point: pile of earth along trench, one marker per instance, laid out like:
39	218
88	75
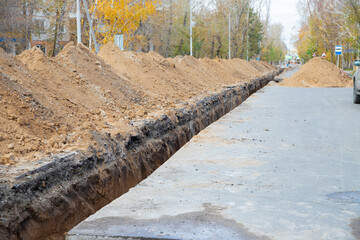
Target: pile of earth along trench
47	201
318	72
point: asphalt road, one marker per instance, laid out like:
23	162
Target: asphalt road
283	165
289	72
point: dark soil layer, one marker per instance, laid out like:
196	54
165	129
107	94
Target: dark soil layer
47	202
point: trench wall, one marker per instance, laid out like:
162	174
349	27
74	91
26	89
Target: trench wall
47	202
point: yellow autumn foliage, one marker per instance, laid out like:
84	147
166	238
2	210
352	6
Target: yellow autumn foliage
121	17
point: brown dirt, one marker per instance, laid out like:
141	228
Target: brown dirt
179	78
49	201
318	73
52	105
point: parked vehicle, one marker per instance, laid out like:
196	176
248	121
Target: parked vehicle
357	83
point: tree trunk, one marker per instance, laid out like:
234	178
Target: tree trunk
26	30
56	33
184	25
212	48
235	35
219	47
168	40
332	54
242	53
28	8
236	48
59	19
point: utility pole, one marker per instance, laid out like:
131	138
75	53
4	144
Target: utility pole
78	21
191	37
229	35
247	37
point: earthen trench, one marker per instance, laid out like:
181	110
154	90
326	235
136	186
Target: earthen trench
64	192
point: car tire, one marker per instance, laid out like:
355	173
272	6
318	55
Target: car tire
356	97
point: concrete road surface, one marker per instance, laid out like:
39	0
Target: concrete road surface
283	165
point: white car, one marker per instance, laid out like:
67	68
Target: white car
357	83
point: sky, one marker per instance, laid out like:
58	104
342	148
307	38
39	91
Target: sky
285	12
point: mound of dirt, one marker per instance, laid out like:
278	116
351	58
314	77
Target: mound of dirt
25	122
180	78
51	105
54	105
318	72
33	58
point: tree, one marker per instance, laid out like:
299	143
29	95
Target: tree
16	21
166	30
255	34
122	17
275	47
327	23
305	44
55	11
8	24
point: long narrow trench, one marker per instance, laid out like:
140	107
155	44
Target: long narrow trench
78	185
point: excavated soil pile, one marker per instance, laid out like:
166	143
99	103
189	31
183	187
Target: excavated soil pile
180	78
318	73
52	105
80	129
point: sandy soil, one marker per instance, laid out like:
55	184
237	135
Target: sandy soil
53	105
318	73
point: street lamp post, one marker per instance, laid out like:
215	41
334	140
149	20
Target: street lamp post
247	37
78	21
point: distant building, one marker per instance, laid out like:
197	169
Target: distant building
41	37
41	33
